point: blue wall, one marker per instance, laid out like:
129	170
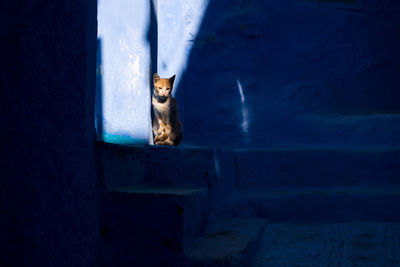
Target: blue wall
125	31
293	73
178	24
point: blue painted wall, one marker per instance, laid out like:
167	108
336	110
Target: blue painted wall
124	66
178	24
293	73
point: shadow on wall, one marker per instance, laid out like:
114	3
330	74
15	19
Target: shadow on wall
98	107
152	37
293	73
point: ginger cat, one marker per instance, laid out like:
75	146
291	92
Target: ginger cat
167	126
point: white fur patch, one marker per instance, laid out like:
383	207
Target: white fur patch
162	110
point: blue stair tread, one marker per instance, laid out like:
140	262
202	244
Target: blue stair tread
329	244
291	191
155	165
157	190
226	241
324	204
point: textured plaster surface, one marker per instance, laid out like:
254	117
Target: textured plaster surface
345	244
293	73
125	62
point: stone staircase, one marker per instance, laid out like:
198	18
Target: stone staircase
164	206
197	206
148	225
318	185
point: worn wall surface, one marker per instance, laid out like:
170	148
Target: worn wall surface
125	56
48	184
292	74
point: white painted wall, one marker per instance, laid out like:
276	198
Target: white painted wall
178	24
123	26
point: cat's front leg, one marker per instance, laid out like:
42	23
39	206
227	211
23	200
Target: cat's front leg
166	131
158	138
161	127
160	130
165	134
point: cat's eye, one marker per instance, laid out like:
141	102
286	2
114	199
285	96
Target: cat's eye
159	88
168	89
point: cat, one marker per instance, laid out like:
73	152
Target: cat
167	126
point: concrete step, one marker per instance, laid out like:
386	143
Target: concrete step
324	204
228	243
162	166
329	244
264	169
136	220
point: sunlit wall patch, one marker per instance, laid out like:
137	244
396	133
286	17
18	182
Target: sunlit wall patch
178	24
125	67
245	112
126	54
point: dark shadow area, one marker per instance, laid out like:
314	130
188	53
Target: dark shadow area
152	37
98	112
48	183
310	75
330	1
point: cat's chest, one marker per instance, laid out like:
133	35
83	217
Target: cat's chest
162	108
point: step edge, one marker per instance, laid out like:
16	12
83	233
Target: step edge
154	190
281	191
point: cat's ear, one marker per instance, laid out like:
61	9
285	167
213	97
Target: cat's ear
156	78
172	79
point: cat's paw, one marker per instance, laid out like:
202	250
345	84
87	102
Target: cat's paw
164	143
160	131
159	143
157	138
163	137
160	138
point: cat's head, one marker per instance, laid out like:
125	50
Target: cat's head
163	86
